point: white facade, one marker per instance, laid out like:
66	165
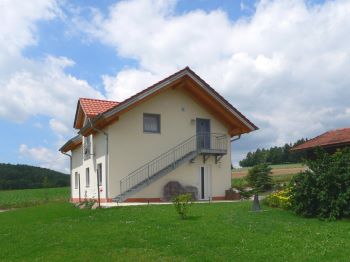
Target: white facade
123	145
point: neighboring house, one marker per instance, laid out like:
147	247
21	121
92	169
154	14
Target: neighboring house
178	129
329	141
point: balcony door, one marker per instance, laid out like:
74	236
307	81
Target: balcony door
203	133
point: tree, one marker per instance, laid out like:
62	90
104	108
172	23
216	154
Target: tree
274	155
259	177
324	189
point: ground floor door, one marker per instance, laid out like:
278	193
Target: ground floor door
204	183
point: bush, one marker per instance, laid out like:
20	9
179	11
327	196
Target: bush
324	190
281	199
182	203
259	177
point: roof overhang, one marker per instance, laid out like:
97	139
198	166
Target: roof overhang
71	144
192	83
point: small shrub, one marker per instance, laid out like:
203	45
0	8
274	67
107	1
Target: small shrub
182	203
281	199
88	203
259	177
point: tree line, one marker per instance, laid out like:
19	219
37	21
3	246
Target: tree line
25	176
274	155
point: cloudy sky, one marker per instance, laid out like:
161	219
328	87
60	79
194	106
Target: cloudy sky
284	64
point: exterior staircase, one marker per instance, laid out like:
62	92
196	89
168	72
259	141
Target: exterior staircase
205	144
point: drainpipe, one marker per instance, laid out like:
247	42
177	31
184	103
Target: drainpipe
71	175
106	160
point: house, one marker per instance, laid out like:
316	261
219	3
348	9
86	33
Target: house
329	141
177	130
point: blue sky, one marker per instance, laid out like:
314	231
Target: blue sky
282	63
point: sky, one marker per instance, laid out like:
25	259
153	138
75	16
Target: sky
284	64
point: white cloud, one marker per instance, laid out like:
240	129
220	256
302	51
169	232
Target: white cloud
285	66
32	87
125	83
45	157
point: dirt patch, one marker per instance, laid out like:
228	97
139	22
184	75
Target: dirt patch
275	172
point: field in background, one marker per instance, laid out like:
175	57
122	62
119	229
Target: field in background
32	197
277	170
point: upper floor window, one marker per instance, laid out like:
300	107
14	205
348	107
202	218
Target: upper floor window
87	177
87	147
99	174
151	123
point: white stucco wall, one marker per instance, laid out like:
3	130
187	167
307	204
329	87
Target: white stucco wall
79	165
130	147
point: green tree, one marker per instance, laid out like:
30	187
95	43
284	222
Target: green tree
259	177
324	189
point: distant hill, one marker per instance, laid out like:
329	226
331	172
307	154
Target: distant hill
25	176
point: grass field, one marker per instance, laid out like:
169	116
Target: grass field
31	197
277	170
242	181
213	232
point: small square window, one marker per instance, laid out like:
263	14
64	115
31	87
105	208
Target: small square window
151	123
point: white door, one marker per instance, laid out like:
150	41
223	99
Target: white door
204	183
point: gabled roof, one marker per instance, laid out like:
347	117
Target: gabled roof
91	108
102	112
335	137
190	81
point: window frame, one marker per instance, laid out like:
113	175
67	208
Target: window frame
157	116
87	177
99	173
87	146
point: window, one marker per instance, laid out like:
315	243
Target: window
151	123
76	180
87	147
99	174
87	177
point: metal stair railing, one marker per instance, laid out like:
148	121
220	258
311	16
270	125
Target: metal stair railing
169	160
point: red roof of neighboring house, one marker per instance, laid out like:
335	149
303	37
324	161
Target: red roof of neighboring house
334	137
93	107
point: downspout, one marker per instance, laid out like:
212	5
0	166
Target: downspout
106	159
71	175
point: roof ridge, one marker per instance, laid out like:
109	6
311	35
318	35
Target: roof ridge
96	99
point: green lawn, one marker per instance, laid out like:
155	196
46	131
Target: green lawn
213	232
31	197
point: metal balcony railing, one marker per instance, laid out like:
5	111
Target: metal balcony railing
202	143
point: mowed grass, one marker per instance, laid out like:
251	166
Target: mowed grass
213	232
31	197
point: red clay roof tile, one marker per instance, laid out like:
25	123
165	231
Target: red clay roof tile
333	137
93	107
